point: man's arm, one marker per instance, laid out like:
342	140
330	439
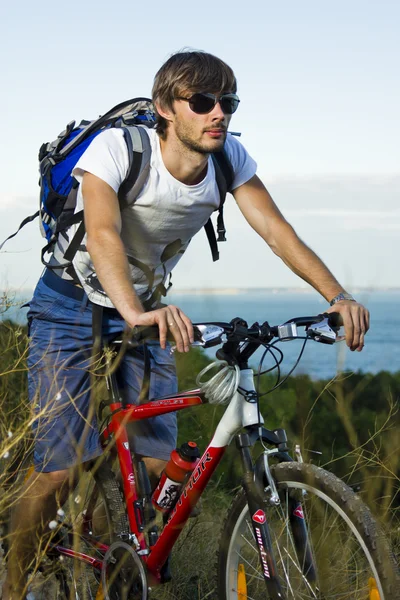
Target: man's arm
106	249
265	218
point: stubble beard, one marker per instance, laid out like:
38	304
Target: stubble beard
185	134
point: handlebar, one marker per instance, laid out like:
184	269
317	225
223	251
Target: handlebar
321	328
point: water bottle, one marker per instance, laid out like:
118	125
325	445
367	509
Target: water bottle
181	463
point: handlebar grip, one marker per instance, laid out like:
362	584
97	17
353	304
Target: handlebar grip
335	320
151	332
141	333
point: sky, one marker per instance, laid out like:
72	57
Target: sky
319	91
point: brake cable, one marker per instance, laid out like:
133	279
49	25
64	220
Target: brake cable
278	384
270	348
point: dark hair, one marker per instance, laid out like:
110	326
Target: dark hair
193	71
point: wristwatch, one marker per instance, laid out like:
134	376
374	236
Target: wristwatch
342	296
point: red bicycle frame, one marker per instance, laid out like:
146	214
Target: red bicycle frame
157	554
241	412
238	414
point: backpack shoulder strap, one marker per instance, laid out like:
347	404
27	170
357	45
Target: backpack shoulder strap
223	171
139	152
224	178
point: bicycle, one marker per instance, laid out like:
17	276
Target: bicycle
293	531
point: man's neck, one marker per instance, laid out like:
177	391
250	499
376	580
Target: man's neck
185	165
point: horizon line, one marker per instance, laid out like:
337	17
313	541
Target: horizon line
236	290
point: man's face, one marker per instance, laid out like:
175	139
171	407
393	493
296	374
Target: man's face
203	133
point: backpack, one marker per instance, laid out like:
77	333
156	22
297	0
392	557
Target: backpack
58	188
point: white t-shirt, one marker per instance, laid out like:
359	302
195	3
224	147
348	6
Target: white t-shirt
158	226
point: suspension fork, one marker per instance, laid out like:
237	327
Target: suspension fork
259	520
296	517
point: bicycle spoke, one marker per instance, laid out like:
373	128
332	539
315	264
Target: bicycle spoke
301	573
330	555
249	543
285	572
255	569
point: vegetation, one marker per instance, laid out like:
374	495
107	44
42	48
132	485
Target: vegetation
349	425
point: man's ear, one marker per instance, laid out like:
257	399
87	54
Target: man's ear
166	113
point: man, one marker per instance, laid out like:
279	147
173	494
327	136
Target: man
124	259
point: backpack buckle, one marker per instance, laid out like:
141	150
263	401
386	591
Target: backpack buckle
130	118
221	235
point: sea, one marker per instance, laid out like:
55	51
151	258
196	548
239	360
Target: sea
320	361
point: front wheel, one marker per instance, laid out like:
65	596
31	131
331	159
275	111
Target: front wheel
351	557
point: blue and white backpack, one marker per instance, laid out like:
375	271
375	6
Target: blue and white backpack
58	188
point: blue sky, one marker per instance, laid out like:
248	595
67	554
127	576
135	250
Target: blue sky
319	93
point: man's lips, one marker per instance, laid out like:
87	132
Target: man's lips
215	132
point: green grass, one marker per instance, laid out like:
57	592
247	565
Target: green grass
353	421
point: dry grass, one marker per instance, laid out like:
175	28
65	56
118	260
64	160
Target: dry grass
375	465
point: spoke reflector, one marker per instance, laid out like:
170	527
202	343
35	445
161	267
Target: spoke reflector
241	583
373	590
99	594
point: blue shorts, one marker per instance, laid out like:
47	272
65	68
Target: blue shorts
65	426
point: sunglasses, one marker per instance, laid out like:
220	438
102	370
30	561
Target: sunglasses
203	103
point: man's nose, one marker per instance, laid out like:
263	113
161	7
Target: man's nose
217	112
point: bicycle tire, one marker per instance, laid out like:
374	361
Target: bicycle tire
350	551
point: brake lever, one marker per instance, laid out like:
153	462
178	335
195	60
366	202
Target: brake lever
207	335
322	332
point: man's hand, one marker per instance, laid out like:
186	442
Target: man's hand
355	321
172	319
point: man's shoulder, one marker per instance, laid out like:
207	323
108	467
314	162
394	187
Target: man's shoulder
235	151
243	165
113	141
233	142
112	134
116	135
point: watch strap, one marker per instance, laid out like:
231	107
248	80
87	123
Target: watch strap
342	296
